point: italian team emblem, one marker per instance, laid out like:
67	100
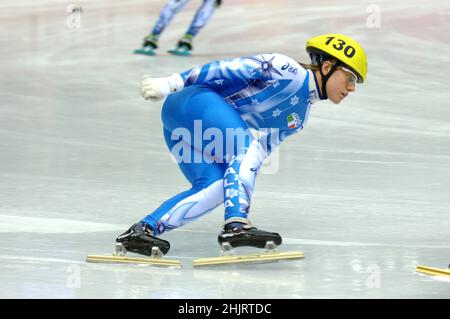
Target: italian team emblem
293	120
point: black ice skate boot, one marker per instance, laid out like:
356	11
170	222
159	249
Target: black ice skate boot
140	239
239	234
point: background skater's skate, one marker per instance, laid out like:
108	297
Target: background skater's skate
244	235
149	45
184	46
138	239
445	272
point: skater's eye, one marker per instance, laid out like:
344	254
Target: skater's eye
351	77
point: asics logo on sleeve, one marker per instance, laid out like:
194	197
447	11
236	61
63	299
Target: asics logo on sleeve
290	68
284	67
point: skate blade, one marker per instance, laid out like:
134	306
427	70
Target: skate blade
144	52
233	259
433	271
134	260
179	52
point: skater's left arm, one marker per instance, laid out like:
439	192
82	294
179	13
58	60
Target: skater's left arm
246	167
266	144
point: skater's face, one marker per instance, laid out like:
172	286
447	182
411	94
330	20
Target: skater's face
340	83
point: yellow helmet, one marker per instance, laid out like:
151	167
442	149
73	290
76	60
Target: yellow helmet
343	48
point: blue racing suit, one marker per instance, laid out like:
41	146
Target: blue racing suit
269	93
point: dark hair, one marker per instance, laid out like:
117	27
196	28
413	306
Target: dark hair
314	66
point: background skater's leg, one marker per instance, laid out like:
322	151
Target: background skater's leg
201	18
168	12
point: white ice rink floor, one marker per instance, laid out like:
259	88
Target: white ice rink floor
363	191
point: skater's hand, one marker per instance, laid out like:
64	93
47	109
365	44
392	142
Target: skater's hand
156	89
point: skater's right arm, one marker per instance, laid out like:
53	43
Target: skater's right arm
240	72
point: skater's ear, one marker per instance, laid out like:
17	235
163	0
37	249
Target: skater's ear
327	66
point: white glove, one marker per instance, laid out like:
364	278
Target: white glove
155	89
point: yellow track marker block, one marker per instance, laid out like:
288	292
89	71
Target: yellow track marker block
134	260
273	256
433	271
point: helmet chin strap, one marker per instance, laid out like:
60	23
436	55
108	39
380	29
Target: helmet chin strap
325	78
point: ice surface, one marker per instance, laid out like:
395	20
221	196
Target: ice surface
364	190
